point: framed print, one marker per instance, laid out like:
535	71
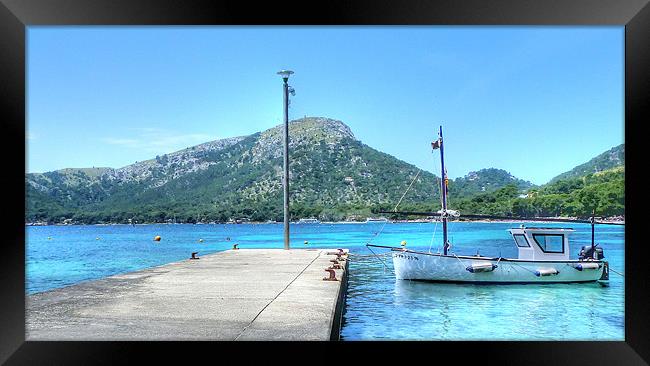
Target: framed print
445	176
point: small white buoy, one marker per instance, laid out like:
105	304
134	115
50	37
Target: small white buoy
588	265
477	267
546	272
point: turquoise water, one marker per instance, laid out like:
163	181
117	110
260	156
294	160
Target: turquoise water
378	306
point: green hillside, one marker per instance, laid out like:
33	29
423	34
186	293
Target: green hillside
333	176
485	180
573	197
611	158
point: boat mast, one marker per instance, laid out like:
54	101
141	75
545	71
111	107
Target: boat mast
443	193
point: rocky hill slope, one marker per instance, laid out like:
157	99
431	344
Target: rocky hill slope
333	176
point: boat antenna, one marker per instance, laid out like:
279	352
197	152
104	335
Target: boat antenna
592	221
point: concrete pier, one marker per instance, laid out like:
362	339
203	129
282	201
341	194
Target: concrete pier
244	294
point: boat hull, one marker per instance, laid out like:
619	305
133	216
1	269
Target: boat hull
411	265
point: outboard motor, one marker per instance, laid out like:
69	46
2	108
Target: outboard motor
588	252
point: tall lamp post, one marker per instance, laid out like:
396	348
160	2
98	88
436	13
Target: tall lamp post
285	182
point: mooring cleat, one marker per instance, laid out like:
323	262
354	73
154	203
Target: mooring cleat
332	276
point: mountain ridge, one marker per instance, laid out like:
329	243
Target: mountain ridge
333	175
609	159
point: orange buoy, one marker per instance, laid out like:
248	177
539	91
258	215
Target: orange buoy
157	238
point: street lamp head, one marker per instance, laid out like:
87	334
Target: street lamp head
285	74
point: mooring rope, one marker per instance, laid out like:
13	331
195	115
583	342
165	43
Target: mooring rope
620	274
394	209
377	233
378	257
368	255
407	189
610	268
433	236
513	263
459	261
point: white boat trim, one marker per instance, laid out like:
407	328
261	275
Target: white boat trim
436	267
398	249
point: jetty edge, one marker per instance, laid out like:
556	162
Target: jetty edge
243	294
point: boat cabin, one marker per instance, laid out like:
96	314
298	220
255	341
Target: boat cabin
539	243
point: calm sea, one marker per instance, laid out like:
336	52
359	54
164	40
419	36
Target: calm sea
378	306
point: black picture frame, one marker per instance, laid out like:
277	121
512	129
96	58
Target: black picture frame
16	15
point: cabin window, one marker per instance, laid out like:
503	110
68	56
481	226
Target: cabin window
550	243
521	241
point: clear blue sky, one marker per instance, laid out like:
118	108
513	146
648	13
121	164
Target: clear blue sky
535	101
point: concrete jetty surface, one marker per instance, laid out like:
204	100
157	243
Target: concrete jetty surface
244	294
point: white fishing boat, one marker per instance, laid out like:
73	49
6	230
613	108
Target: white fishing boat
543	253
371	220
308	221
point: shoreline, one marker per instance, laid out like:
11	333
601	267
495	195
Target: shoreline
416	221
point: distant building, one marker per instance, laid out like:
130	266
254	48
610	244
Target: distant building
472	176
